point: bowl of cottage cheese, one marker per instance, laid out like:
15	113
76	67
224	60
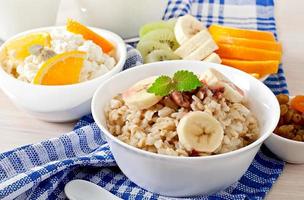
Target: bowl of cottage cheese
53	72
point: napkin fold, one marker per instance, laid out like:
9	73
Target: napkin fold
40	171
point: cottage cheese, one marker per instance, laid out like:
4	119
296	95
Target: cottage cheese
96	62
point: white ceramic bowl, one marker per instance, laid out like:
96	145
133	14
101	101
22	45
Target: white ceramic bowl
59	103
288	150
186	176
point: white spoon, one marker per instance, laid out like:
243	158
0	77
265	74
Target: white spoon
85	190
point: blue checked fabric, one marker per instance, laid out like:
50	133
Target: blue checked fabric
40	171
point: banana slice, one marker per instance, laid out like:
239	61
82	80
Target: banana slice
203	51
193	43
186	27
138	97
216	79
214	58
200	131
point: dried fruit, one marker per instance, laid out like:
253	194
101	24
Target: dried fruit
297	103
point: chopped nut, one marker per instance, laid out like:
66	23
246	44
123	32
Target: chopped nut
170	103
181	99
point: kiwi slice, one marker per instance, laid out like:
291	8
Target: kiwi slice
147	46
165	36
157	25
160	55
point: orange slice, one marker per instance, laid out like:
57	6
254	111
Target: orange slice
251	43
20	46
297	103
254	67
245	53
78	28
62	69
217	30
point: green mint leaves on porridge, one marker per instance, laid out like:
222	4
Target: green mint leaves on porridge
182	81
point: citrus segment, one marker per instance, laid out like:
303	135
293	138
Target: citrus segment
251	43
245	53
217	30
78	28
62	69
254	67
21	45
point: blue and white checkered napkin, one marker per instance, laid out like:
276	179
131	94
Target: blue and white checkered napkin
40	171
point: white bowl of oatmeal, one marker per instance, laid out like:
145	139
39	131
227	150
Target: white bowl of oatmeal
153	144
60	103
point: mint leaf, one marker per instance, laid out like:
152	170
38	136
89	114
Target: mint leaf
186	81
162	86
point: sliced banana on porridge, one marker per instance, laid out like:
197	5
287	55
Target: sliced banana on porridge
200	131
138	96
215	79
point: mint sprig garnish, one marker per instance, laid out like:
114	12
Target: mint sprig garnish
182	81
162	86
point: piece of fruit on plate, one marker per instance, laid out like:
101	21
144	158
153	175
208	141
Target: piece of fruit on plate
78	28
186	27
157	41
146	47
213	58
18	49
252	51
262	68
218	31
156	26
62	69
165	36
250	43
245	53
160	55
195	41
182	38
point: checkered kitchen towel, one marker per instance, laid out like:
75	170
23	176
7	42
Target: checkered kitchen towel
40	171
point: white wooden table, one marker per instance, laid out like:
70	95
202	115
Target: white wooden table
18	128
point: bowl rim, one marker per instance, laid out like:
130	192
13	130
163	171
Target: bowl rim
118	42
286	139
107	133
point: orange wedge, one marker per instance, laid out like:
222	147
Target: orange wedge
20	46
62	69
245	53
254	67
217	30
78	28
259	44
